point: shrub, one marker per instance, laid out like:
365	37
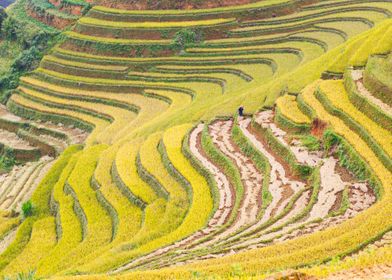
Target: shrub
27	60
33	43
330	139
3	14
186	37
9	29
27	209
7	159
42	40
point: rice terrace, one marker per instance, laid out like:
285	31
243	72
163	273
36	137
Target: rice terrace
196	139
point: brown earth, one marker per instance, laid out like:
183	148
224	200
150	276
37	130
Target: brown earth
378	272
338	202
318	128
59	23
170	4
69	9
131	52
292	276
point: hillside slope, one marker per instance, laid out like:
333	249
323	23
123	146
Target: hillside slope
169	184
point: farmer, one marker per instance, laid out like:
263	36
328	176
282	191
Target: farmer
241	111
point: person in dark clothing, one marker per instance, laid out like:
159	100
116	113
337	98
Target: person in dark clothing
241	111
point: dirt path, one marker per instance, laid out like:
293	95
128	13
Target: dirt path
226	196
360	199
12	140
10	179
19	184
250	175
304	156
32	184
7	240
5	114
331	182
357	76
378	272
253	241
330	185
76	135
251	179
279	181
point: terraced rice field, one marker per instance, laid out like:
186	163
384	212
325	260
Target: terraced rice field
158	177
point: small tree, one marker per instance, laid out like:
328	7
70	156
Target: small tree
9	29
185	37
26	61
7	159
3	15
27	209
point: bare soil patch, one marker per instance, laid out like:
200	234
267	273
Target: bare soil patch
170	4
